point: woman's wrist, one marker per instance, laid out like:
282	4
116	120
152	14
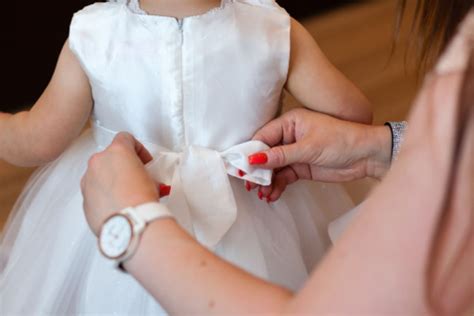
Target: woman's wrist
378	140
164	230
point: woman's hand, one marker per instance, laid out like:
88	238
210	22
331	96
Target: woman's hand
319	147
116	178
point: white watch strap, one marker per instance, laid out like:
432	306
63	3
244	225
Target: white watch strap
144	214
150	211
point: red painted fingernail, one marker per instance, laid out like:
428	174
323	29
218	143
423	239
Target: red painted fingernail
268	199
164	190
260	195
258	159
247	186
241	173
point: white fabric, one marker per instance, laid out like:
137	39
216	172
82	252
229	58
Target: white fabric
198	209
194	92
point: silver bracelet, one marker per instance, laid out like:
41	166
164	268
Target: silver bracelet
398	131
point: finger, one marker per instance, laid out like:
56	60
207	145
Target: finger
132	144
272	133
260	193
253	186
282	179
265	192
142	152
278	157
249	186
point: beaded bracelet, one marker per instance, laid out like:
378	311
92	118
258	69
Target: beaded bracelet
398	130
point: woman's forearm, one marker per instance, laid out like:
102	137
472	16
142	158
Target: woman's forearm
187	278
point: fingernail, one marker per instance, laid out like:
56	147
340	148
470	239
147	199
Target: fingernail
241	173
260	195
247	186
164	190
268	199
258	159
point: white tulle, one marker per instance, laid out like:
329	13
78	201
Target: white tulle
209	83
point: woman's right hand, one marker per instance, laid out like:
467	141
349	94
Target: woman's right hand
314	146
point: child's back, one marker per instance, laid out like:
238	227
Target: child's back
192	90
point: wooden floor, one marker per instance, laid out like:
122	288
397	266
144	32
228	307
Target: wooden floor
358	40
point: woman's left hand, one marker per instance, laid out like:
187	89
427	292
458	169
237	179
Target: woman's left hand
314	146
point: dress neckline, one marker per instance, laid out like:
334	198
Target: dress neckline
134	7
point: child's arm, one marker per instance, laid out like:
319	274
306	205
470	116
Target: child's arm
318	85
35	137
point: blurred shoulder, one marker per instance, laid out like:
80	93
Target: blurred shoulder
100	10
264	4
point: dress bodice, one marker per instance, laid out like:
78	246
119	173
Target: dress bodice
209	80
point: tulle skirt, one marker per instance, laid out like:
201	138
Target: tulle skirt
50	263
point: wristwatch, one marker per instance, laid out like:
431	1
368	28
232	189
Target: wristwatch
120	234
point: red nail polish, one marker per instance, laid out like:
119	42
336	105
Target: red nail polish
260	195
268	199
164	190
258	159
247	186
241	173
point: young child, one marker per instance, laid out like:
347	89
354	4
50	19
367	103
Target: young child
193	80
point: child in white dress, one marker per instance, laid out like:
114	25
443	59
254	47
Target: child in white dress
193	81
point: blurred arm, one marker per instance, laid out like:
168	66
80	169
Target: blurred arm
318	85
41	134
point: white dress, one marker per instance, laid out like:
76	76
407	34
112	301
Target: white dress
194	91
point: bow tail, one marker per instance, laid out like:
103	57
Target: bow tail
179	206
209	195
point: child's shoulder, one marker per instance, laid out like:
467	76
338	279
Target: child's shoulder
263	4
91	26
100	10
103	15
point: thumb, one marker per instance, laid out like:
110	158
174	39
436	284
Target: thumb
272	133
277	157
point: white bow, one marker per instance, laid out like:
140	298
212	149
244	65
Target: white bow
201	198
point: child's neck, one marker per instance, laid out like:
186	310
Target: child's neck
178	8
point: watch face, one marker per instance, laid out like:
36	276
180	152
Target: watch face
115	236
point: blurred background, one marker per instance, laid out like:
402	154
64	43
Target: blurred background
357	36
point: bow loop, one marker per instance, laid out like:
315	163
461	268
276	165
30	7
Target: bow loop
236	158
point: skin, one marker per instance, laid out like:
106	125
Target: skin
171	265
321	148
31	138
